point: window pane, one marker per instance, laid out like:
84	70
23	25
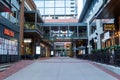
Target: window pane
68	10
59	11
41	11
60	4
49	3
68	4
49	11
39	3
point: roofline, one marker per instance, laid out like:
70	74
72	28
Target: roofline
34	11
62	24
84	10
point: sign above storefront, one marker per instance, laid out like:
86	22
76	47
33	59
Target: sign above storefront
8	32
108	27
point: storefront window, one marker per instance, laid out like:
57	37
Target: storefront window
8	47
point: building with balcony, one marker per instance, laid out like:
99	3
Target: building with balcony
37	38
32	45
99	15
57	9
60	17
73	33
9	30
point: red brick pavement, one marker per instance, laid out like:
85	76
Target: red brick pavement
23	63
14	68
105	70
44	58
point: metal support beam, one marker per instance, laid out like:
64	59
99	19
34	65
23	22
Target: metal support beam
77	32
59	31
35	19
50	31
68	31
74	48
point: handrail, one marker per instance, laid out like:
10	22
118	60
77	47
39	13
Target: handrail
31	26
74	36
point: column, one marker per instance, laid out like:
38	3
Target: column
50	31
59	31
77	31
99	31
74	48
36	19
35	43
88	34
68	31
21	46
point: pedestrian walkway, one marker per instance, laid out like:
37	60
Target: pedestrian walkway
14	67
61	69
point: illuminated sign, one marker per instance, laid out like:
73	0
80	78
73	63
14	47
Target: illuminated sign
37	49
8	32
27	40
108	27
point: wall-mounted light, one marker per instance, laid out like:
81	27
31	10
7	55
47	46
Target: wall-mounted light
27	40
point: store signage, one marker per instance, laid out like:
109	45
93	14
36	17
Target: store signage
106	35
108	27
8	32
37	49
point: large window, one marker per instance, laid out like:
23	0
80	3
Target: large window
9	47
41	11
49	11
49	3
59	11
57	7
59	4
39	3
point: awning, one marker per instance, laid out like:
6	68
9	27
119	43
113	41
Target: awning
80	48
110	10
4	8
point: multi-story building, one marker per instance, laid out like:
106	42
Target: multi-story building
57	9
9	30
31	32
20	35
62	26
84	1
99	15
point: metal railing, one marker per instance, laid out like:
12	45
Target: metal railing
74	36
32	26
79	36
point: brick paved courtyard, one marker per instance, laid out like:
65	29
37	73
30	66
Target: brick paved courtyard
57	69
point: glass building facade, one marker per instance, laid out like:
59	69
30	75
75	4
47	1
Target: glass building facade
9	30
57	9
11	14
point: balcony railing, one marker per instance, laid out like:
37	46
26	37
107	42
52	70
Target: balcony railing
13	20
9	17
62	48
74	36
32	26
79	36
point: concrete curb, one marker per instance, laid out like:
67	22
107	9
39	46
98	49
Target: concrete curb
110	67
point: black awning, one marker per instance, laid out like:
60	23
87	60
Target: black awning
81	48
110	10
4	8
30	16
